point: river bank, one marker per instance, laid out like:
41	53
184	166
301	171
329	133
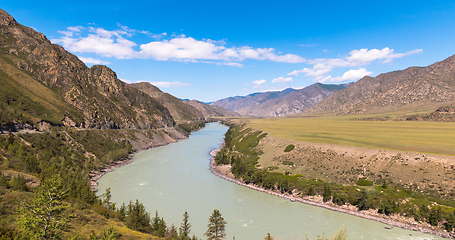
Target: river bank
143	141
223	172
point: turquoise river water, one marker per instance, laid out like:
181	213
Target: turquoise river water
175	178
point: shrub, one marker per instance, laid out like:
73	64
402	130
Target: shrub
327	194
289	148
18	183
3	181
364	182
289	163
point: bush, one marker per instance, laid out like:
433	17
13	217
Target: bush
327	194
339	199
3	181
18	183
289	148
364	182
107	234
289	163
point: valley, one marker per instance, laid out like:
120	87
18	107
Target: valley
86	154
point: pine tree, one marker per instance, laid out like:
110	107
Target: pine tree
106	201
185	227
137	217
122	212
216	226
43	217
158	226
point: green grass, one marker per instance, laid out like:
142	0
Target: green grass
23	98
414	136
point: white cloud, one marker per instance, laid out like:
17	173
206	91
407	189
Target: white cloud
187	48
257	83
75	28
170	84
89	60
99	41
350	75
321	67
116	44
282	79
364	55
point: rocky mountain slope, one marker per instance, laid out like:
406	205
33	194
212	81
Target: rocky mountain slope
279	103
209	110
179	110
43	83
415	88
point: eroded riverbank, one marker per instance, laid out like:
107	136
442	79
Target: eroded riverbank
223	171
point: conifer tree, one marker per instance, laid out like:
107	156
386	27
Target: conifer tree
44	216
122	212
158	226
185	227
137	217
216	227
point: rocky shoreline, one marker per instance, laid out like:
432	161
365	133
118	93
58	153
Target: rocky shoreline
96	175
395	220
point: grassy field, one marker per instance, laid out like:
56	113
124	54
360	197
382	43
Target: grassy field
415	136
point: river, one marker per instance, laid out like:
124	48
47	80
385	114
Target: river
175	178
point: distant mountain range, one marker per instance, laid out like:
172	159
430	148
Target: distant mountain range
413	89
279	103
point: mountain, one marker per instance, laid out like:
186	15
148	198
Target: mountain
209	110
279	103
41	81
412	89
180	110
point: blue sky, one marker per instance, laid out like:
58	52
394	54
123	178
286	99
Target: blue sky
209	50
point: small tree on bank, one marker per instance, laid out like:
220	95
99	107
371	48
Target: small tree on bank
44	216
185	227
216	227
268	237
